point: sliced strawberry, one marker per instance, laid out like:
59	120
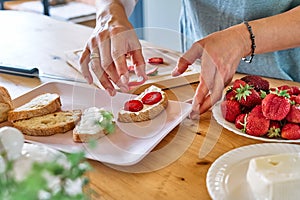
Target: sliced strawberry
257	124
275	107
156	60
291	131
151	98
230	110
133	105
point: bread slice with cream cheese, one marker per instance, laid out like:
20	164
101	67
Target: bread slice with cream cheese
149	111
94	124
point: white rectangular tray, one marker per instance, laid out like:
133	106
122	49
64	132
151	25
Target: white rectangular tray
130	143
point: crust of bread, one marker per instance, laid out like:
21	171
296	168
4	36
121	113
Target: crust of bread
87	137
6	104
49	124
145	114
38	106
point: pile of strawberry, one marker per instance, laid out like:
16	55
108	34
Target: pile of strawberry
259	110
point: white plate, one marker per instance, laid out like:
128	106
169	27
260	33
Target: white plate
230	126
226	178
128	144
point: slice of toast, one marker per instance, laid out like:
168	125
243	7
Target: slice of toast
94	124
149	111
41	105
6	104
49	124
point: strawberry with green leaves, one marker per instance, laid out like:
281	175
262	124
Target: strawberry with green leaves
256	123
247	96
276	105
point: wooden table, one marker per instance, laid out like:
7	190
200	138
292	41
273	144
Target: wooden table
28	39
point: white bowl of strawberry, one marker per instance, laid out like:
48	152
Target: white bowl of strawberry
252	108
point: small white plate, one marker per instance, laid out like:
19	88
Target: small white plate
130	143
230	126
226	178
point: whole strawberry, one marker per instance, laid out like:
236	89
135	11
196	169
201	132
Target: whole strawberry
257	82
276	106
247	96
294	114
240	121
230	110
291	131
257	124
274	129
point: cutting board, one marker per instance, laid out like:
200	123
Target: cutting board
163	78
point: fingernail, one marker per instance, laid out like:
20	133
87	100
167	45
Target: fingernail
124	79
194	116
175	72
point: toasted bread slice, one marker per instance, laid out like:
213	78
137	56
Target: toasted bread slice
6	104
149	111
94	124
50	124
38	106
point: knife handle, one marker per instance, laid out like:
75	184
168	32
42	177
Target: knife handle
31	72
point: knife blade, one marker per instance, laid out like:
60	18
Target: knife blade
33	72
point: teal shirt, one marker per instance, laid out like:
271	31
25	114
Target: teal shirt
202	17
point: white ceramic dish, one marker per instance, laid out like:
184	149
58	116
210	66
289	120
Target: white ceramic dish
128	144
230	126
226	178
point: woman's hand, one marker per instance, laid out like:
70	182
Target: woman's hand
220	54
112	42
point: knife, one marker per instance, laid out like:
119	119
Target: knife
33	72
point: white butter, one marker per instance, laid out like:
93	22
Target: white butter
275	177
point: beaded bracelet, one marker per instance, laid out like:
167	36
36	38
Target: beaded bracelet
253	46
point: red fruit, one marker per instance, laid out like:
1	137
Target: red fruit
238	83
230	110
133	105
291	131
274	129
295	90
257	82
257	124
240	121
151	98
295	99
156	60
275	107
247	96
294	114
230	94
